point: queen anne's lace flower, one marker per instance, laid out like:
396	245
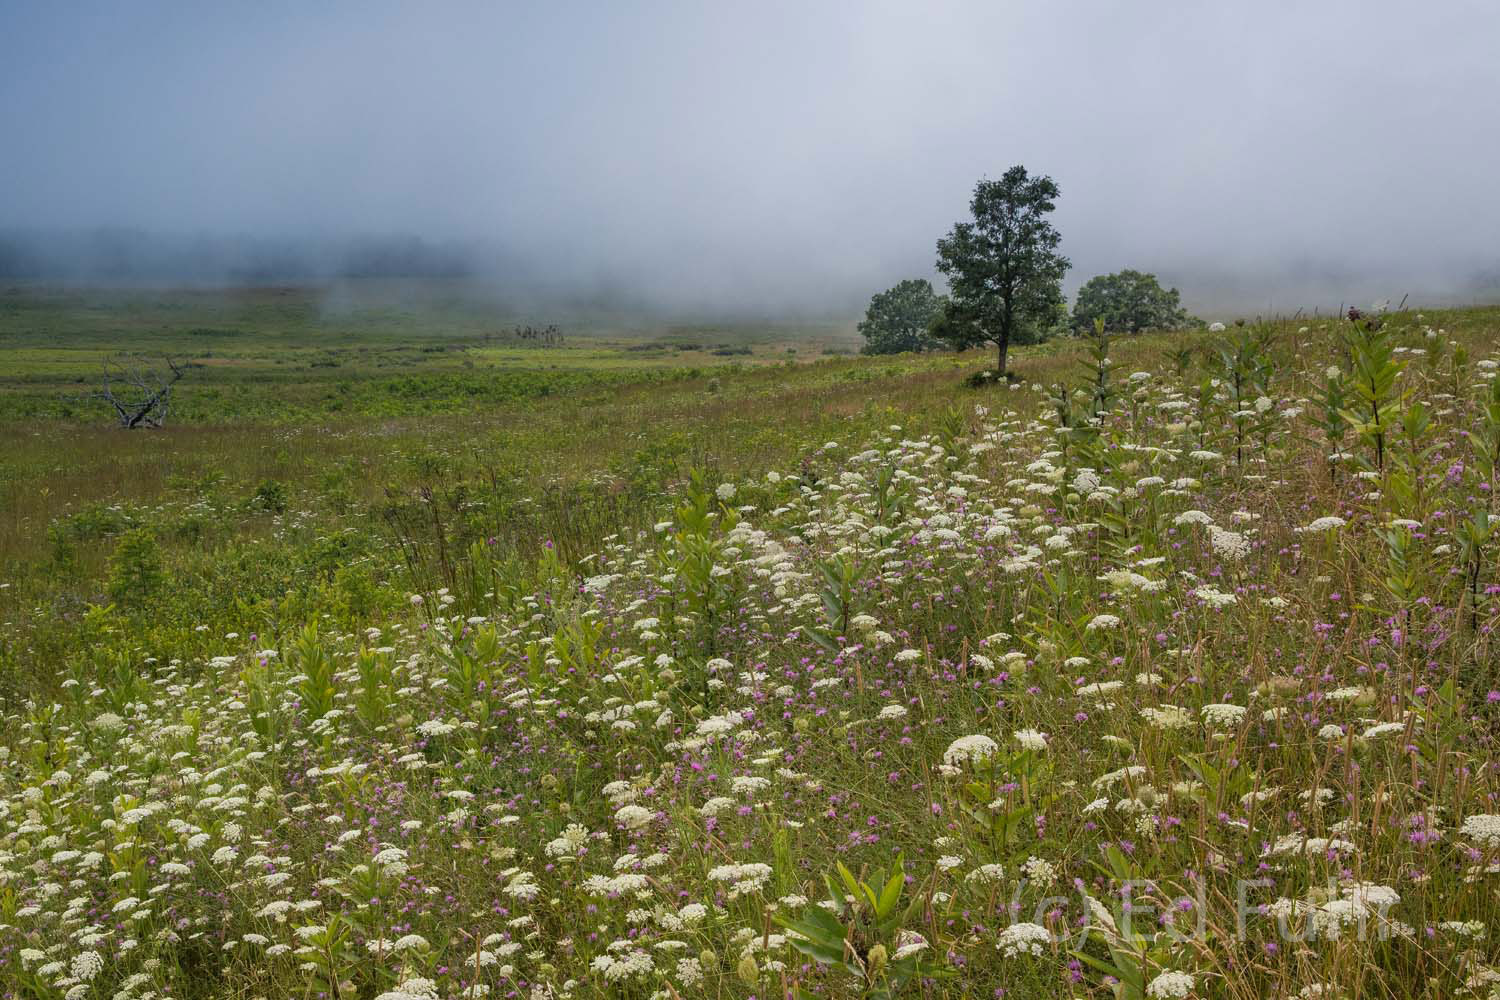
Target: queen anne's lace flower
975	749
632	817
86	965
1031	739
1223	716
1483	829
1170	986
1023	939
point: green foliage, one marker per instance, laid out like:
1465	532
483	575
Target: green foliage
1403	575
890	498
72	533
1474	534
318	687
1099	368
1003	268
859	933
1375	403
329	959
840	577
1330	399
1128	302
1181	358
1003	796
374	696
1132	949
1489	433
271	497
696	554
898	318
1246	367
136	573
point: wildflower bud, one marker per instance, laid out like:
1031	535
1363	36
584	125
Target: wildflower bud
876	960
708	959
549	782
668	676
748	971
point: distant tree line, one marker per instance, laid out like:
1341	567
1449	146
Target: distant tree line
529	336
1005	283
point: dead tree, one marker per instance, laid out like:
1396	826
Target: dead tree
141	395
533	336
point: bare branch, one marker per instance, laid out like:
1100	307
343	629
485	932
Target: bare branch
140	396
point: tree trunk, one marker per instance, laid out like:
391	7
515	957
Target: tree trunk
1007	323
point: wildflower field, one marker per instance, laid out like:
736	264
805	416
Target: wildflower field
1166	671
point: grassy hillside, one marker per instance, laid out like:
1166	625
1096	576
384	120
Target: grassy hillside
1166	671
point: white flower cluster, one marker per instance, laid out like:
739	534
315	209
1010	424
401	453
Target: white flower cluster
1170	985
974	749
1024	939
1483	829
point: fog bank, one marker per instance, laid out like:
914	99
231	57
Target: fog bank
774	156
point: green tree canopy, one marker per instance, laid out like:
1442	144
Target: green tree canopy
1128	302
1003	268
898	318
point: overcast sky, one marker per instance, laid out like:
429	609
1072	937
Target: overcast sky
798	152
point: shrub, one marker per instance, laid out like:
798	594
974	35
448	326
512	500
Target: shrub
1128	302
271	497
136	573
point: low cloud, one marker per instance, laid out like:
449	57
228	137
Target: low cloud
768	157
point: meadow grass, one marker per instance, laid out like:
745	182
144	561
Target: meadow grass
519	447
1164	672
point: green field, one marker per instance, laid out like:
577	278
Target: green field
410	663
372	349
349	408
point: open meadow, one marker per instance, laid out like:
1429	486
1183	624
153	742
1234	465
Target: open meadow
414	659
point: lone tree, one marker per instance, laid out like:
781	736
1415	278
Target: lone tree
898	318
1128	302
1003	268
140	395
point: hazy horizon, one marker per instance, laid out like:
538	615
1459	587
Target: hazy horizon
781	159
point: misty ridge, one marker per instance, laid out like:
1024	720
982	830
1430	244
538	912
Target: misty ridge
412	269
119	255
361	272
